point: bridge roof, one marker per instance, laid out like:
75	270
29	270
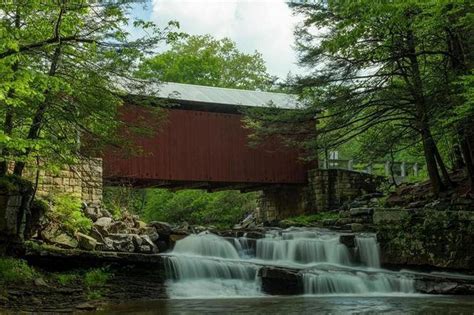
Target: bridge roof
224	96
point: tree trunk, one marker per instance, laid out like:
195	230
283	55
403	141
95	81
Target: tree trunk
467	149
431	165
8	124
416	85
38	118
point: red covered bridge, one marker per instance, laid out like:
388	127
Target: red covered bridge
201	143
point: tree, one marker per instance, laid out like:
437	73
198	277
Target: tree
60	62
204	60
382	63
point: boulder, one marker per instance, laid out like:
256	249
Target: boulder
122	242
176	237
150	232
104	222
357	227
140	224
162	228
147	246
64	240
85	241
118	227
97	235
92	213
347	239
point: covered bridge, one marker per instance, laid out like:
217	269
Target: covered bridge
201	143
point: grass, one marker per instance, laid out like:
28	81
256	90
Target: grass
95	279
311	218
67	278
14	270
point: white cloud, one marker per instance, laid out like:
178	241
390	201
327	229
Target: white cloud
262	25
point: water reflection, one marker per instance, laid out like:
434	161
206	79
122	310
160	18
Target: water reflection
303	305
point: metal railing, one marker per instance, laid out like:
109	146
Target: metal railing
398	170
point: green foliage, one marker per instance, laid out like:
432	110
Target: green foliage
124	198
96	277
14	184
207	61
222	209
310	219
67	210
59	67
14	270
386	77
95	280
67	278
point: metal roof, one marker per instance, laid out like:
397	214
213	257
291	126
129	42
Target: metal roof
224	96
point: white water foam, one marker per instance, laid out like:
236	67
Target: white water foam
207	265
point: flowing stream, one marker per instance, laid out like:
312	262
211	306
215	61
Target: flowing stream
207	266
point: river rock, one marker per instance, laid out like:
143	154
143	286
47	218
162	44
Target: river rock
347	239
85	241
176	237
280	281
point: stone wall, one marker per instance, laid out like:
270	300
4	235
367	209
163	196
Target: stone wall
277	203
83	180
332	187
327	189
426	238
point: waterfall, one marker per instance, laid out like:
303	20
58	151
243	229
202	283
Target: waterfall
368	250
303	248
355	283
207	265
206	244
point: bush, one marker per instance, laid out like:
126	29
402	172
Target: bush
15	271
67	210
222	209
96	277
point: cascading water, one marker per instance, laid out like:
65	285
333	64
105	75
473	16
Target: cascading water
368	251
209	265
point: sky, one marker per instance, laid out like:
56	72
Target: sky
262	25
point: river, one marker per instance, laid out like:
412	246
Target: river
336	273
304	305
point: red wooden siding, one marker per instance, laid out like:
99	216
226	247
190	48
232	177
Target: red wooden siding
199	146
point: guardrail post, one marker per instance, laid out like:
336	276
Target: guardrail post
415	169
403	169
350	165
387	168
